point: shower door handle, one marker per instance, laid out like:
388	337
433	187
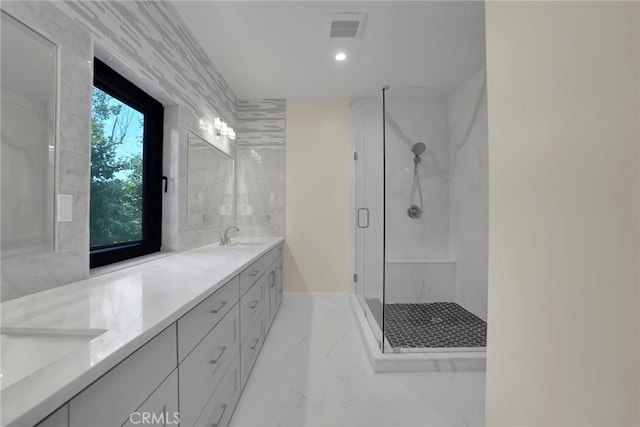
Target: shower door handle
363	218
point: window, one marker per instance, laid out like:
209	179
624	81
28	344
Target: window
126	169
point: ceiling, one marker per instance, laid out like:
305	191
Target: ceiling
268	49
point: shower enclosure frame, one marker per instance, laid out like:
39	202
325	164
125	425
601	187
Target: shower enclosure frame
361	290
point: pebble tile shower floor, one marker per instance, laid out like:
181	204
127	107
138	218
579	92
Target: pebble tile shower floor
433	325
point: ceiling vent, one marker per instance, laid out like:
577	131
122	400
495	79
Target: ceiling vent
346	25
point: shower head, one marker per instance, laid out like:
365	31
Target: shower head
418	148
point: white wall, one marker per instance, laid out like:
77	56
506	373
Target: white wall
563	190
316	252
469	193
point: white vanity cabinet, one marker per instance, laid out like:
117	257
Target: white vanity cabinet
220	407
251	307
59	418
202	370
111	399
193	372
251	274
161	408
193	326
273	289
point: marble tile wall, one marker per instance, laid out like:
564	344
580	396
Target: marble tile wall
146	42
187	234
410	120
150	38
210	186
260	167
261	121
470	192
414	282
260	191
69	261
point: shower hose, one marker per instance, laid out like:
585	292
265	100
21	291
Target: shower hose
415	210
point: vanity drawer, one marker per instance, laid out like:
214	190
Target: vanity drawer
60	418
250	274
218	411
201	371
114	396
279	281
250	349
194	325
251	306
272	256
161	408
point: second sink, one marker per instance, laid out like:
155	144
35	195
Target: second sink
26	350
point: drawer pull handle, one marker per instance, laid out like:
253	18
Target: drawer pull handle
255	344
273	279
254	304
218	307
254	273
220	408
217	359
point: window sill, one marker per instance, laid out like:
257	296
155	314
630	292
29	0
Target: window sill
98	271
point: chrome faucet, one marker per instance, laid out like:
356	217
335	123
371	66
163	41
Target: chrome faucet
226	240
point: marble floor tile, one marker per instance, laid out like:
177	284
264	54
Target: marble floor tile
314	371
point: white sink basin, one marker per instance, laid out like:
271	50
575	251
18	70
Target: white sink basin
246	244
26	350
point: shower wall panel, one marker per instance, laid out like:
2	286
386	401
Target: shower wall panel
420	282
408	121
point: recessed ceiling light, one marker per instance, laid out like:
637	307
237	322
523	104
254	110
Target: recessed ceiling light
341	56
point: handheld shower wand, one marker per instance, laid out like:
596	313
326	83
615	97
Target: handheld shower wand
415	210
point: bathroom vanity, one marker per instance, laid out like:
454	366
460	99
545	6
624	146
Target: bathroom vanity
165	342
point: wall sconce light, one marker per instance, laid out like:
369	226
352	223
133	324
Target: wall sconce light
217	129
223	129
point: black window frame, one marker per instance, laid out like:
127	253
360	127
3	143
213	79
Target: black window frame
109	81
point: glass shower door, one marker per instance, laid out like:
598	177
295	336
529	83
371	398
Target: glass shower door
369	212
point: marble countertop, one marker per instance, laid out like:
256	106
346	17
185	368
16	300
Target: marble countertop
132	305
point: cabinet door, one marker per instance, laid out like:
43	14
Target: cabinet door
161	408
201	371
197	323
112	398
59	418
251	307
250	349
279	281
218	411
272	296
251	274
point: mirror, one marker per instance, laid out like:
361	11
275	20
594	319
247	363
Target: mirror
210	183
28	139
